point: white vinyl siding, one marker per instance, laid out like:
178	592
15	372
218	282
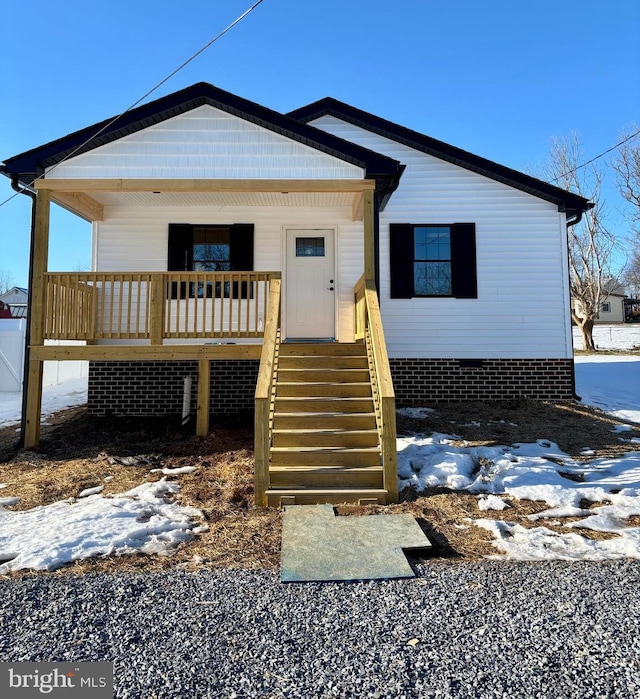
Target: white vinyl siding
136	239
206	143
522	305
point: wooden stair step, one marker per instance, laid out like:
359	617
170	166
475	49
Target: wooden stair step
323	375
326	349
333	420
321	362
326	437
307	404
319	477
312	390
325	456
312	496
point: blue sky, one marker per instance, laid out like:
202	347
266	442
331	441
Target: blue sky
499	78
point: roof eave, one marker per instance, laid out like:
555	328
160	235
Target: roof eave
33	163
565	201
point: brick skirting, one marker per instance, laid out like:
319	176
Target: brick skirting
418	380
156	388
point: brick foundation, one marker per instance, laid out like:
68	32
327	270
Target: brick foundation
155	388
417	380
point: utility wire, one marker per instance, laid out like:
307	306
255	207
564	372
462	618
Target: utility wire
597	157
147	94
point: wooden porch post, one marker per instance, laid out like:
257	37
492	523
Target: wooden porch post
204	390
40	254
369	241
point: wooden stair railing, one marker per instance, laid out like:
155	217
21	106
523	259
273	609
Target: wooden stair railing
265	393
369	329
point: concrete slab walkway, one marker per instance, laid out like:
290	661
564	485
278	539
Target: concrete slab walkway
318	546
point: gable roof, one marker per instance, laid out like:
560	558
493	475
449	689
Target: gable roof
569	202
31	164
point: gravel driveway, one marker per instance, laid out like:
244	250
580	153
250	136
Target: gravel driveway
488	629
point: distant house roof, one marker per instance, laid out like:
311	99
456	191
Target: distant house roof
573	204
31	164
13	291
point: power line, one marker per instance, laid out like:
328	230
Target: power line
597	157
147	94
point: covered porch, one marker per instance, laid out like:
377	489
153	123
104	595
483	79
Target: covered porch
168	316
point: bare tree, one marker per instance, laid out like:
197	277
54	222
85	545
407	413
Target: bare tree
631	276
590	243
6	281
626	164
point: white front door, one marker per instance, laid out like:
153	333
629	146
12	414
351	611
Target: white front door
310	285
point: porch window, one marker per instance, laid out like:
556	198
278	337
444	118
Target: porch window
211	248
433	260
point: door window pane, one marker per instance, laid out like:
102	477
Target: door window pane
310	247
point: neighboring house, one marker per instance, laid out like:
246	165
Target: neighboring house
16	298
5	311
612	308
314	262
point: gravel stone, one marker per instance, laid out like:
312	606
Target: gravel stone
551	630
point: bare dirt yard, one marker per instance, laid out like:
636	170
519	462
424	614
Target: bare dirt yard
79	451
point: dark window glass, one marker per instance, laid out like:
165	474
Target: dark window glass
211	250
432	261
310	247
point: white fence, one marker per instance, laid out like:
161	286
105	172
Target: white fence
12	335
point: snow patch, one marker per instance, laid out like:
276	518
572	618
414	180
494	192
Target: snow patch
141	520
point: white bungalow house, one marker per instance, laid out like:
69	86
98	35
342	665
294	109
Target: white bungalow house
319	266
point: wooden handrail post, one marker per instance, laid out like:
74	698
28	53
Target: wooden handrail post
263	394
386	394
157	301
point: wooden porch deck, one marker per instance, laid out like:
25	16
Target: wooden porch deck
324	413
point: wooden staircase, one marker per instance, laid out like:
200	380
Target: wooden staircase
325	439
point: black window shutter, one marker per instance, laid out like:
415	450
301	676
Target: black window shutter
180	257
180	254
241	247
464	283
401	256
241	256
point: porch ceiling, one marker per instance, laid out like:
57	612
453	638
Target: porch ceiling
239	199
88	198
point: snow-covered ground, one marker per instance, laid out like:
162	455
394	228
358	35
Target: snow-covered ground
144	520
611	383
612	337
542	472
140	520
68	394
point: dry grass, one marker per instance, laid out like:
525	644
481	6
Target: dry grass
78	452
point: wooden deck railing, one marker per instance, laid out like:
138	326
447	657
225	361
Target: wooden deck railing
155	306
265	393
369	328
